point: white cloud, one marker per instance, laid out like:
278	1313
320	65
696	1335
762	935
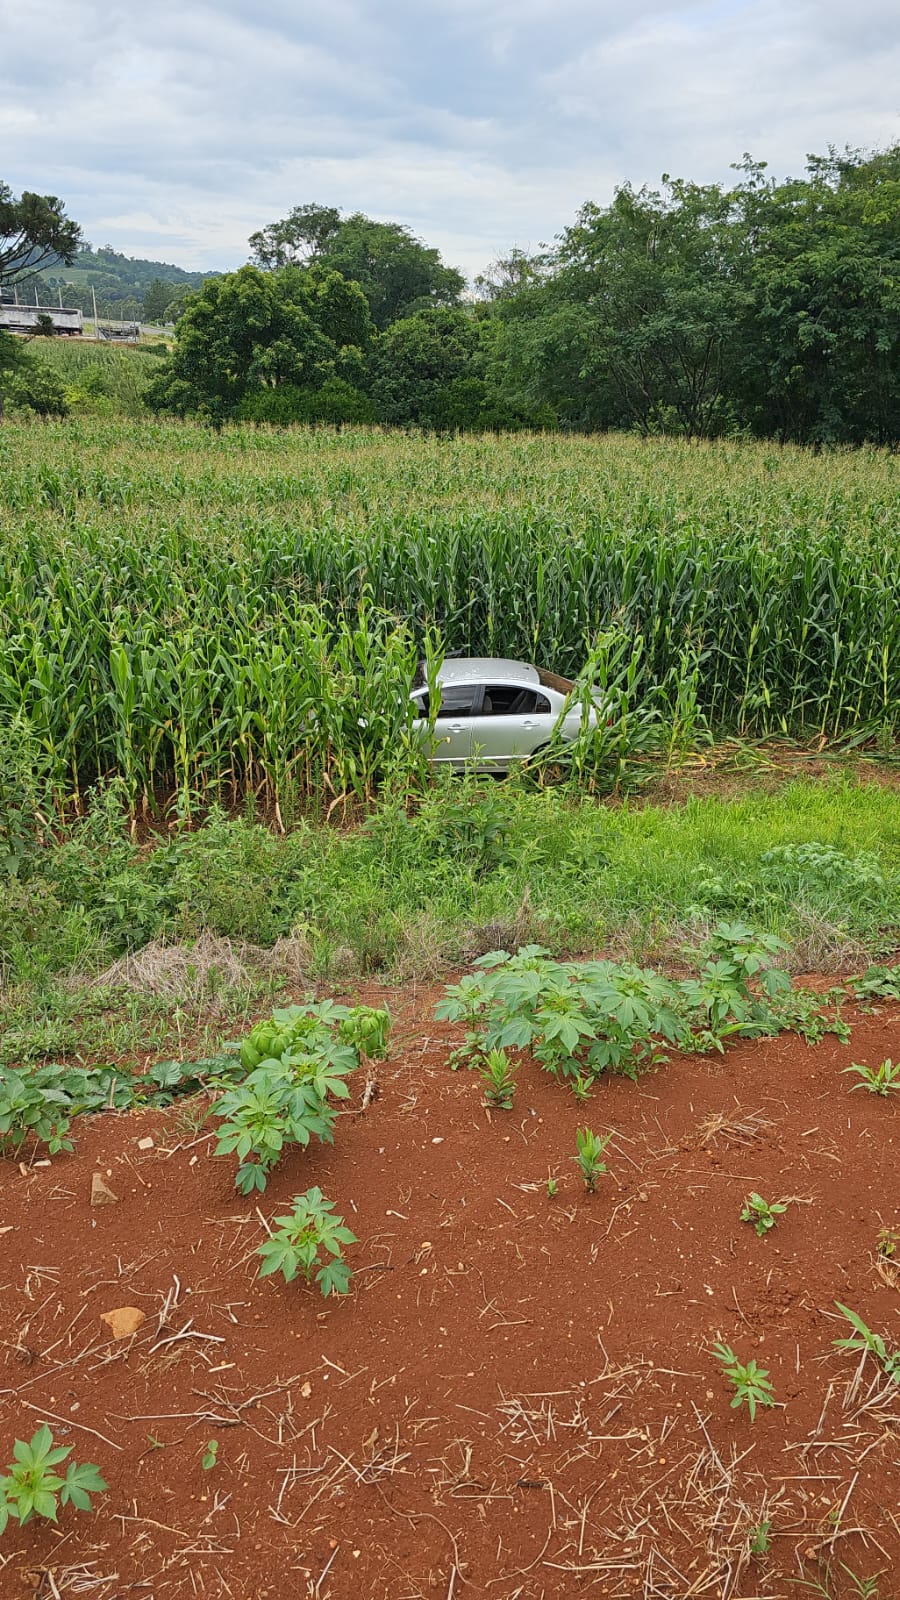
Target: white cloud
175	130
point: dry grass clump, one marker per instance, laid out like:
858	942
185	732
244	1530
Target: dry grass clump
196	973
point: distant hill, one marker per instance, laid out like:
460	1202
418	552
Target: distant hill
119	282
129	275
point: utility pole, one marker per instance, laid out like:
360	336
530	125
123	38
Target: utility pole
96	323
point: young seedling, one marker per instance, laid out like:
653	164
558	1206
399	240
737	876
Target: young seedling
751	1383
887	1244
31	1487
295	1243
499	1077
878	1080
552	1188
762	1213
863	1339
210	1455
589	1158
759	1539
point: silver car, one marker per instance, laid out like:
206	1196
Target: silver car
494	712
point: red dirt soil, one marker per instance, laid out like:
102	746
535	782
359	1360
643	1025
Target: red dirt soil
518	1399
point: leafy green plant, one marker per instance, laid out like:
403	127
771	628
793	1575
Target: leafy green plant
887	1244
273	1108
759	1538
762	1213
367	1030
877	983
750	1383
862	1339
32	1488
589	1156
579	1019
552	1188
210	1455
812	1015
499	1079
299	1240
297	1062
34	1105
883	1079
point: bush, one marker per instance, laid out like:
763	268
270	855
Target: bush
335	402
35	388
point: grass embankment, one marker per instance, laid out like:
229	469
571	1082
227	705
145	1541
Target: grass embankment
201	930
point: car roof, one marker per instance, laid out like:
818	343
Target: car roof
486	669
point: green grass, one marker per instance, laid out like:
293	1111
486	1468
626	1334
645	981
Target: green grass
406	896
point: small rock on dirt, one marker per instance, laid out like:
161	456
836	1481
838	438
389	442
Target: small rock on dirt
123	1321
101	1193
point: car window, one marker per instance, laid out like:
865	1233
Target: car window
457	700
507	700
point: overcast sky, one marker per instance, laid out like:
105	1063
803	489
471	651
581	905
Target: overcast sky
172	129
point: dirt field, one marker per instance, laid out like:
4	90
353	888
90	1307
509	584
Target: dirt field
519	1398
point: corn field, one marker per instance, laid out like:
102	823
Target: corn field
197	614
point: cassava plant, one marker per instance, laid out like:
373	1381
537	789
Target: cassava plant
307	1243
298	1062
750	1383
32	1487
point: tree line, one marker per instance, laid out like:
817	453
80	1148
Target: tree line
757	307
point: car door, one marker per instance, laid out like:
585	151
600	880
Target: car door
513	722
455	722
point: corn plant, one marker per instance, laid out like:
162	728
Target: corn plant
589	1155
251	642
307	1242
763	1214
31	1487
499	1077
750	1383
863	1340
883	1079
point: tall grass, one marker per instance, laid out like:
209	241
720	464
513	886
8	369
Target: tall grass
99	379
192	611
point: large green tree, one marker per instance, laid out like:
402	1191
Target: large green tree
398	274
639	321
299	238
822	346
158	296
251	332
439	369
763	306
34	230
